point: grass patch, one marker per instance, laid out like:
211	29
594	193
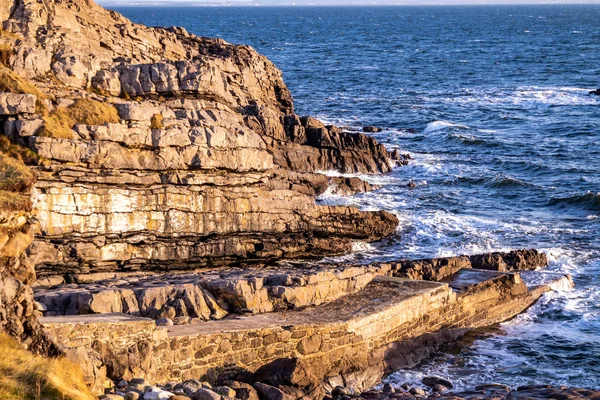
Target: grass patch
26	376
12	82
5	53
24	154
10	202
14	175
60	122
15	181
156	122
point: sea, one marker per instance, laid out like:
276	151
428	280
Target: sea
492	103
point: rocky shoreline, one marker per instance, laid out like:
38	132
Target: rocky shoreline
159	226
436	388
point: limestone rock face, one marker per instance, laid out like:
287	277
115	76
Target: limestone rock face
18	311
209	164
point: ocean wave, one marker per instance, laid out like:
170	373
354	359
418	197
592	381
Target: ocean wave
523	95
589	201
471	140
439	125
508	182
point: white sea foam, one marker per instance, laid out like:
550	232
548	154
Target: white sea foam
439	125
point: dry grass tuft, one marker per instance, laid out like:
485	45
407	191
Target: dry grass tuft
157	121
14	83
15	181
5	53
93	112
59	123
27	156
10	202
26	376
14	175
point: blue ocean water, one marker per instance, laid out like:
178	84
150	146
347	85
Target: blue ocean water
492	102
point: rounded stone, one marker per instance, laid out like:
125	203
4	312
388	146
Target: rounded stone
132	395
224	391
205	394
438	388
123	384
417	391
431	381
388	388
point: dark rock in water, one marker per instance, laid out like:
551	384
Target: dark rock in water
371	129
411	185
493	386
595	92
387	388
405	386
431	381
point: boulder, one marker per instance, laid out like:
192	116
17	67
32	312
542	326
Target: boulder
13	104
205	394
431	381
268	392
156	393
243	391
595	92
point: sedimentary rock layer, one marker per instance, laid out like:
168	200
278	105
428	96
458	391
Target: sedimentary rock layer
213	294
204	163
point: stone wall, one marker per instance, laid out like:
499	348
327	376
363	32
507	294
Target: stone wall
390	324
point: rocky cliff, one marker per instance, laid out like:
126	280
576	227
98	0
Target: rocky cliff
199	159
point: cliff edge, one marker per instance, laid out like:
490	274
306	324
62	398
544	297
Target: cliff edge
170	151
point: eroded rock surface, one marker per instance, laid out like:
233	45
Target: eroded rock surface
208	165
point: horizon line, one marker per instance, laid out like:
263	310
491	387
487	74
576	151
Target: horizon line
201	3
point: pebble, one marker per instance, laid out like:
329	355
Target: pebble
224	391
112	397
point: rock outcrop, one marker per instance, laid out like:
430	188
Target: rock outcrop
208	164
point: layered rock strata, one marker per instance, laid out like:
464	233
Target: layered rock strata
208	164
214	294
